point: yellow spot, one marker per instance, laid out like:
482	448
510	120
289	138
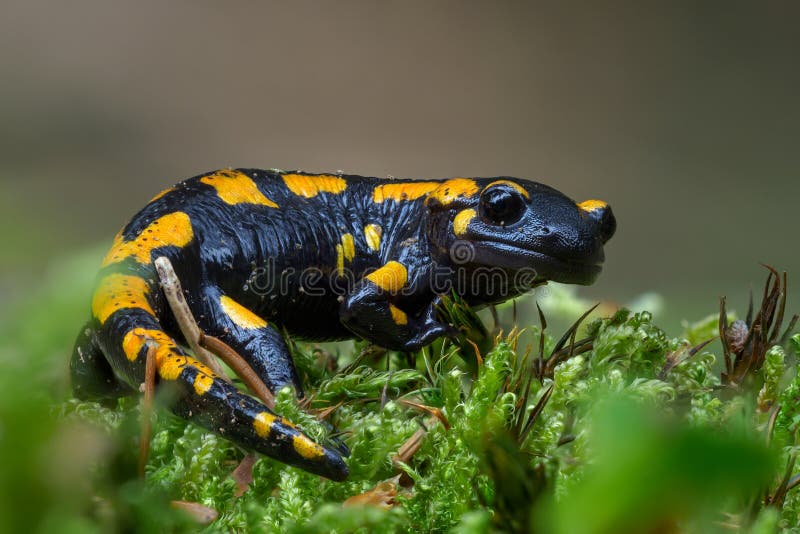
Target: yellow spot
346	250
119	291
403	191
398	315
263	423
373	233
348	247
161	194
135	339
307	448
173	229
339	259
310	186
171	364
592	205
235	187
521	190
202	383
241	316
449	190
462	220
391	277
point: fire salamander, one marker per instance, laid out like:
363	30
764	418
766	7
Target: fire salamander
322	257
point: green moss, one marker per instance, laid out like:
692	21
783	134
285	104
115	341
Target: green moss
625	442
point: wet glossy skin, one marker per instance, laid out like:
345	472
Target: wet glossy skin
325	257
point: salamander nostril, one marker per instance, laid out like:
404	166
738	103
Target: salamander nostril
545	230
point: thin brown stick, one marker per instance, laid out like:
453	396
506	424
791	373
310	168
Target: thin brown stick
206	347
322	414
240	367
183	315
200	513
436	412
147	406
478	356
243	474
534	415
412	444
410	447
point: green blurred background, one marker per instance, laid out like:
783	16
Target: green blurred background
683	115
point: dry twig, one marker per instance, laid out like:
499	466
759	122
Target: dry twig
240	367
147	406
183	315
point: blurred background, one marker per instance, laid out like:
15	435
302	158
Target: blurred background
684	116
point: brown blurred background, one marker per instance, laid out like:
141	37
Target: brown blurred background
683	115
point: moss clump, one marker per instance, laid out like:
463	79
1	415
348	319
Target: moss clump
638	434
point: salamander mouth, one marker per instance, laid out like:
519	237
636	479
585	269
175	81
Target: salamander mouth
547	266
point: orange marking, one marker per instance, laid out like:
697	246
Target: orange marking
311	185
462	220
135	339
203	382
398	315
372	234
339	259
348	247
307	448
521	190
451	189
171	364
235	187
592	205
391	277
263	423
402	191
241	316
173	229
346	250
119	291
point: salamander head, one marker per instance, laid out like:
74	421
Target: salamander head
518	224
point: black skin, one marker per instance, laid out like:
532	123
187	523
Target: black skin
281	264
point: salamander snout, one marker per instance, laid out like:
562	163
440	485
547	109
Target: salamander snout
602	216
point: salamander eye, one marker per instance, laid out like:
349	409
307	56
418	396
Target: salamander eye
501	205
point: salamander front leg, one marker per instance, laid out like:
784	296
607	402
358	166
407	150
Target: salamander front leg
370	312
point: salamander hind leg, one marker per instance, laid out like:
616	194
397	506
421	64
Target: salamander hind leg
204	398
259	343
242	419
91	375
129	327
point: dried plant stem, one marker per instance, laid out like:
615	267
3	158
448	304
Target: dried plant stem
147	406
436	412
240	367
206	347
412	444
183	315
